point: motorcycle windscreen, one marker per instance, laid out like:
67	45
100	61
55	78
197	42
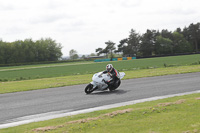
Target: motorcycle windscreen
122	74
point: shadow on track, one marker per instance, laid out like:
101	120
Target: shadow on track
116	92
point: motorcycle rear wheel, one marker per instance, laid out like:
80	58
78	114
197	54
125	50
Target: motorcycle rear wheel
114	87
89	89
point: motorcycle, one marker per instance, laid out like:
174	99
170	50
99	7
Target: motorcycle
98	82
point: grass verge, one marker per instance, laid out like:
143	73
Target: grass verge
26	85
174	115
68	69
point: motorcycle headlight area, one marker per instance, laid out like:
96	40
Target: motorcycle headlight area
97	83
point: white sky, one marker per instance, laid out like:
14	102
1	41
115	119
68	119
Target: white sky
85	25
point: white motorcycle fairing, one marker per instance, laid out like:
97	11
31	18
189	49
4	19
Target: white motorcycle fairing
98	83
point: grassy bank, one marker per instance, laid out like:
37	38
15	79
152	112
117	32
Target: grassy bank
174	115
82	68
26	85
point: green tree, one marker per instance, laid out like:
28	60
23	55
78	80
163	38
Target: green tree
181	45
47	50
133	42
148	40
92	54
29	51
7	53
163	46
41	50
99	51
2	52
54	49
83	57
166	34
122	47
110	47
73	54
130	46
193	32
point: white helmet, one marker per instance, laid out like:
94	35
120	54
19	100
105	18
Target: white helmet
109	67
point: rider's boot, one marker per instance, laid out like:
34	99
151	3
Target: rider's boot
106	82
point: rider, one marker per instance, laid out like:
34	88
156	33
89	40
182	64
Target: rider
114	75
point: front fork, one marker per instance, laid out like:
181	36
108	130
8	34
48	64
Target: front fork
94	85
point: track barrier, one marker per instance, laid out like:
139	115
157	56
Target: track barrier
115	59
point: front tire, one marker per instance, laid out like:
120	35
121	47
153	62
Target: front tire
89	89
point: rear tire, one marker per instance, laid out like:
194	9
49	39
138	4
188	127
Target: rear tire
119	83
89	89
114	87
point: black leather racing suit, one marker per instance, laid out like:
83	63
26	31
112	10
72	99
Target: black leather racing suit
115	78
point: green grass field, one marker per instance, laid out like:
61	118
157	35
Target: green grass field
59	70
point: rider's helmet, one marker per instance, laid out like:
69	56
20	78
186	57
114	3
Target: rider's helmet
109	67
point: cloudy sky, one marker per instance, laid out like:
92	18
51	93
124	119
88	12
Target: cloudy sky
85	25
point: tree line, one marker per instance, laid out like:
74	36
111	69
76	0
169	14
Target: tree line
156	43
29	51
151	43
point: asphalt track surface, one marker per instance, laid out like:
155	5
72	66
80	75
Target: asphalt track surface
73	98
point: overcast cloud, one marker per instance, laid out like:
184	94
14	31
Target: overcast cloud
85	25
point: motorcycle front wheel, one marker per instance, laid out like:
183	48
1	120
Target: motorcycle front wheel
89	89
